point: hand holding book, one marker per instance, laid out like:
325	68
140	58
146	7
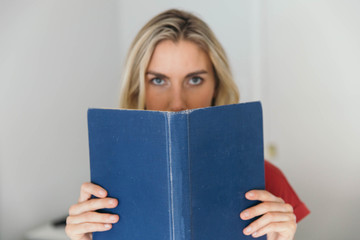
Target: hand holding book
278	219
83	219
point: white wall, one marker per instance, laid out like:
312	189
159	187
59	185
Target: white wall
57	58
311	82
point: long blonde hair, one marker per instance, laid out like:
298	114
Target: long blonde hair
174	25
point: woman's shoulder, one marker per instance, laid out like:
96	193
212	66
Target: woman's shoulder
273	170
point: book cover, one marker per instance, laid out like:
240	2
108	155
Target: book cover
178	175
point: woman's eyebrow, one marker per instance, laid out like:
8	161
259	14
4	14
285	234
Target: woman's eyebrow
196	73
159	75
163	76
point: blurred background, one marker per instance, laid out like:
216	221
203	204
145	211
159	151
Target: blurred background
301	58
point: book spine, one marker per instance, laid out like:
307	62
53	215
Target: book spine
179	177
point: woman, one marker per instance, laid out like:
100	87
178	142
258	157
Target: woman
176	63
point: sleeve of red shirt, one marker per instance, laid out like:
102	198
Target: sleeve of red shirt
277	184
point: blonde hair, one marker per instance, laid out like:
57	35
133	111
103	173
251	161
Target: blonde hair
174	25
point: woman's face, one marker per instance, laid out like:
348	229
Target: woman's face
179	77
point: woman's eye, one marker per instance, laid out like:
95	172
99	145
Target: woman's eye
195	81
157	81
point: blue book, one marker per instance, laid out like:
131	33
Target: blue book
178	175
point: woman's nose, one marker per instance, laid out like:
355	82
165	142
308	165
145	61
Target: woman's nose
178	101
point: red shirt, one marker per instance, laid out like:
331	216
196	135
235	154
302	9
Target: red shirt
277	184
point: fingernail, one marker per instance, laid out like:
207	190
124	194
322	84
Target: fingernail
250	194
113	218
248	230
107	225
112	202
245	214
254	234
102	193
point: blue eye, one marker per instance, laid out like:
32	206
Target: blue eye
157	81
195	81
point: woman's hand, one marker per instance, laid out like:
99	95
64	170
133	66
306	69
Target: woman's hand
83	220
277	219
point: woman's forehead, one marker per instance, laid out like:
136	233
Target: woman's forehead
181	56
